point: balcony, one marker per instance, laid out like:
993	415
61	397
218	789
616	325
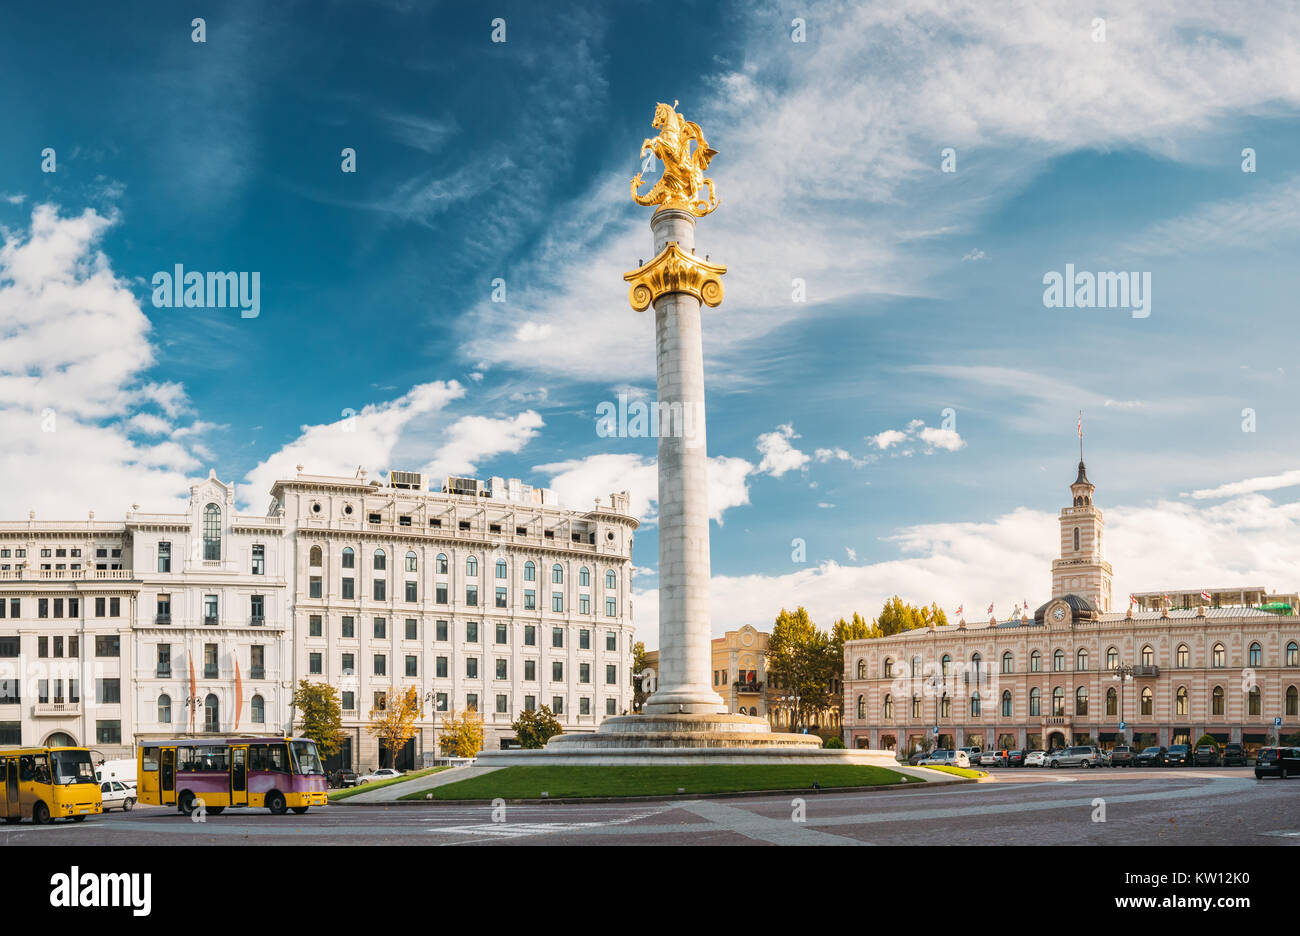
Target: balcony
1052	720
163	672
66	575
162	618
748	688
257	672
209	672
56	709
1152	672
210	620
257	620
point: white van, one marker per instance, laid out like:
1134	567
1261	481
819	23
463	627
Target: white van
123	771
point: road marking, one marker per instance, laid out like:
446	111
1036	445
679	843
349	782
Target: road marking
752	825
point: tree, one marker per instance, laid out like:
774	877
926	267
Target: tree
639	666
1207	739
804	662
843	631
897	616
395	723
535	728
462	735
320	717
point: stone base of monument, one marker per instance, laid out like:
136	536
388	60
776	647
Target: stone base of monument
677	740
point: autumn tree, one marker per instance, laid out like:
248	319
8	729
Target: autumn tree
320	716
803	661
394	722
897	616
535	728
639	695
462	735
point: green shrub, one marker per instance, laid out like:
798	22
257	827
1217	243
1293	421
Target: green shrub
833	743
1206	739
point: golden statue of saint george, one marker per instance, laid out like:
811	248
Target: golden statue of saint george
683	177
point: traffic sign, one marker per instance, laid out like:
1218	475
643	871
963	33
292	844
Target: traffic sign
1122	726
1277	723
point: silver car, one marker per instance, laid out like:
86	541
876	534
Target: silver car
1083	756
946	758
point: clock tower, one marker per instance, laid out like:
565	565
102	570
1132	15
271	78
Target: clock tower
1081	570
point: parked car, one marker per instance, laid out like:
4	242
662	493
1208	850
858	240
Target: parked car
1103	758
1277	762
992	759
117	795
1234	755
916	758
947	758
972	753
340	779
1036	759
1016	758
1151	757
1207	755
1081	756
383	773
1121	756
1178	755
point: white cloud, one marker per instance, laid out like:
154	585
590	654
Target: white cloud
779	456
975	254
932	438
471	439
823	455
884	440
1250	485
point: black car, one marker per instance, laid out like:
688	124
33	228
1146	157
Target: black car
1121	756
1234	755
341	778
1151	757
1178	755
1277	762
1015	758
1207	755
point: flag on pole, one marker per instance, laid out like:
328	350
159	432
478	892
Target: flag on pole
960	608
1079	427
1132	600
990	608
1205	595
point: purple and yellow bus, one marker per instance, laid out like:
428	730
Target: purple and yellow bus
278	773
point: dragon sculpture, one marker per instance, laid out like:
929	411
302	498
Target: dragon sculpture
683	177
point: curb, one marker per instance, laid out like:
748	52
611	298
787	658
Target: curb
680	797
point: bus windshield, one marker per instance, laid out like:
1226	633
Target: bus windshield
305	760
72	767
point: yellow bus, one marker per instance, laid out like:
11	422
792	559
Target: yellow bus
277	773
48	783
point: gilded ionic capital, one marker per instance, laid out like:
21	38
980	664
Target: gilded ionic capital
675	271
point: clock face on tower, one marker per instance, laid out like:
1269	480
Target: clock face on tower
1058	614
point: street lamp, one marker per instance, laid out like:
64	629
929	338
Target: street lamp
1123	672
792	703
432	698
192	703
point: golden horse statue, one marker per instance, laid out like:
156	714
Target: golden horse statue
683	177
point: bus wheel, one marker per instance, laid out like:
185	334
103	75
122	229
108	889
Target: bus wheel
40	813
301	809
186	803
275	803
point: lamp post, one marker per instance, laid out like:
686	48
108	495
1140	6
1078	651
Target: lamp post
432	698
792	703
192	703
1123	673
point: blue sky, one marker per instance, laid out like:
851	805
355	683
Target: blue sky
478	160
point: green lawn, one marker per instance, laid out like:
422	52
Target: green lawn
336	795
573	782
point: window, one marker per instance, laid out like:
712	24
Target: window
1147	701
501	568
1255	657
1293	654
557	601
314	589
530	635
945	664
975	705
412	562
1081	700
349	664
1216	701
557	705
862	669
1035	662
611	675
530	600
611	607
1292	701
440	593
349	587
1081	661
440	667
1058	701
502	668
349	558
412	665
611	579
164	709
611	641
557	671
530	670
471	667
211	532
380	590
584	604
164	561
530	572
1183	657
109	645
313	664
1148	656
1034	705
109	731
259	559
501	598
584	672
611	706
584	577
164	667
210	661
471	631
471	595
1076	539
381	700
945	706
411	592
888	707
1218	656
314	625
259	710
584	639
108	691
440	564
440	630
381	560
557	574
1058	661
349	626
381	628
380	664
916	707
1006	703
557	636
471	567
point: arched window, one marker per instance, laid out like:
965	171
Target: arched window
1006	703
1218	656
1034	704
412	562
945	663
611	579
1184	657
381	559
1112	702
314	557
889	706
1253	702
1180	701
557	574
916	707
211	714
975	705
501	569
164	709
862	669
889	667
1058	661
1008	662
1081	700
977	662
1081	661
1293	654
1146	701
862	707
1035	662
471	567
1292	701
530	572
1076	539
584	577
945	706
349	558
1148	656
212	532
441	564
1112	658
1256	655
1058	701
259	710
1216	701
916	666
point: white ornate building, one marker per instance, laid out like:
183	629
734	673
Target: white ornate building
477	594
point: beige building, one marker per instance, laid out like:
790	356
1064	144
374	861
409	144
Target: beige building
1175	665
